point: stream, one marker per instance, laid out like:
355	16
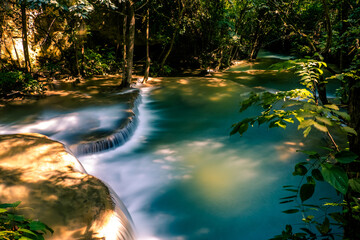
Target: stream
180	174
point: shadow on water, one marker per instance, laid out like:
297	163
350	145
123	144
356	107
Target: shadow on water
189	179
91	117
181	175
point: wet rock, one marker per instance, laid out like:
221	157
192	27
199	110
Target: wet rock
55	189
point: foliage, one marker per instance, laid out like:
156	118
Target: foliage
19	81
155	70
331	166
13	226
96	63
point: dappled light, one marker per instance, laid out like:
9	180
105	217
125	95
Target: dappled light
221	181
210	119
42	174
287	150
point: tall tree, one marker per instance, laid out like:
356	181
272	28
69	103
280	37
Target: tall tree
130	41
23	6
147	62
180	15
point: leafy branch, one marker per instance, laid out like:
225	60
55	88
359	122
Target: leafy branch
302	106
13	226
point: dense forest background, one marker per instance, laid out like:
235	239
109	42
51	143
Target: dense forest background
88	37
54	39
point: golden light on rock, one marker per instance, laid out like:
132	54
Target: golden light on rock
45	177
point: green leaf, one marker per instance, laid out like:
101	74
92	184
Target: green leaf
328	149
308	231
2	210
19	218
336	177
25	238
324	120
355	184
37	226
49	228
306	123
300	170
289	197
349	130
291	211
310	180
317	174
306	191
7	205
346	157
338	217
344	115
307	152
27	231
320	127
240	127
324	228
287	201
306	131
332	106
312	206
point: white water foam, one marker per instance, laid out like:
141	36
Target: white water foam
134	170
59	125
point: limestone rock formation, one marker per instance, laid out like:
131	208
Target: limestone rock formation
56	190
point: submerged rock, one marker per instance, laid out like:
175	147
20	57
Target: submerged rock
55	189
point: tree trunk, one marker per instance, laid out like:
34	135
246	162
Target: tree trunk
130	38
287	22
344	27
16	53
230	55
255	45
235	53
177	27
354	112
81	36
352	222
328	27
25	36
2	41
147	64
124	63
77	69
321	86
220	60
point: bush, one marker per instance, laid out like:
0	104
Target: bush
19	81
99	62
13	226
11	81
155	70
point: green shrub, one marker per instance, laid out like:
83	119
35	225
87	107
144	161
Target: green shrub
156	70
11	81
19	81
99	62
13	226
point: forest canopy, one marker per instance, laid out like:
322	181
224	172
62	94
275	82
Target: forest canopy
52	39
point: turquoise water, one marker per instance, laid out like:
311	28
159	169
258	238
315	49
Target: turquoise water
182	176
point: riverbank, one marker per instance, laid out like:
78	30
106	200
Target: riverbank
54	188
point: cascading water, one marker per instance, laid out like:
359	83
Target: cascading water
119	137
85	130
179	173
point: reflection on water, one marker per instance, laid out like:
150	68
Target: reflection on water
181	175
186	178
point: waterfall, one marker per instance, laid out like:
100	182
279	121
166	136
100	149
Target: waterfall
118	137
